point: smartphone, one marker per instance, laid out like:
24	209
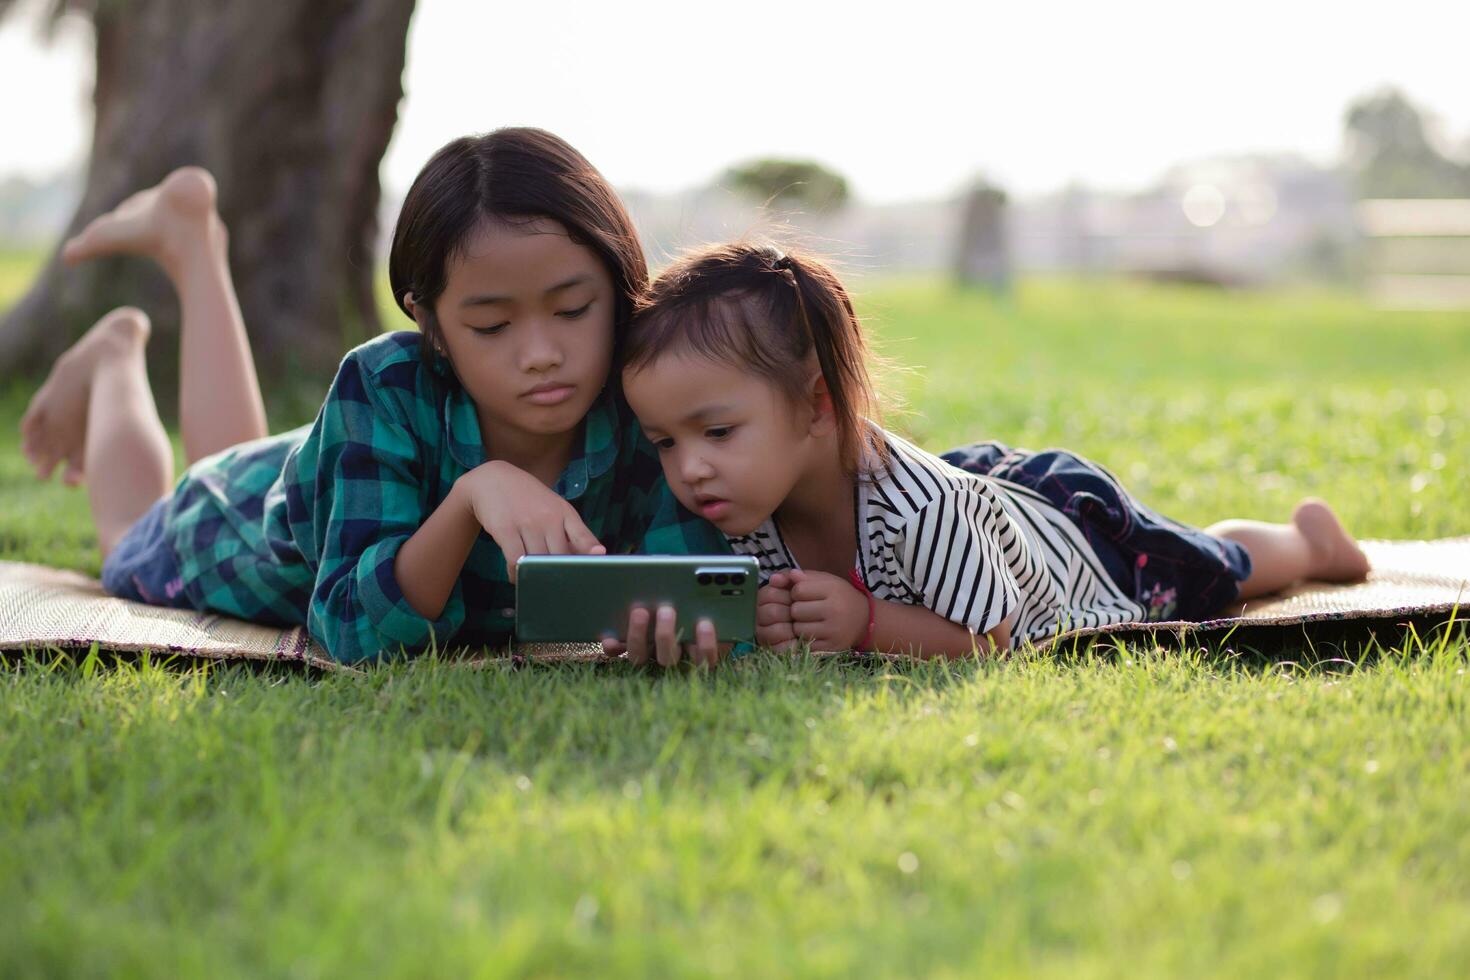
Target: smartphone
583	598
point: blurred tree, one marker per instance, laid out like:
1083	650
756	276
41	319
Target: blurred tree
983	254
789	183
1391	154
291	104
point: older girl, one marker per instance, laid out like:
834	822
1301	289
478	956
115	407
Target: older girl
519	265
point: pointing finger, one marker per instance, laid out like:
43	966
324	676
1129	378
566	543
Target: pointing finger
583	541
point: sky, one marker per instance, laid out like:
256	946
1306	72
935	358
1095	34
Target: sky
907	99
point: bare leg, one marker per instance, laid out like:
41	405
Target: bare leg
176	225
1313	546
126	452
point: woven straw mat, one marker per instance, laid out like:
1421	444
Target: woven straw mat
49	607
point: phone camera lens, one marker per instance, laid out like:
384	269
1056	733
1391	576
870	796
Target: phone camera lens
738	578
703	579
721	578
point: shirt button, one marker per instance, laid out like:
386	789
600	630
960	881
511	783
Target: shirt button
508	613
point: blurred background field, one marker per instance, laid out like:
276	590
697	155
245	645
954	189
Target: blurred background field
1208	403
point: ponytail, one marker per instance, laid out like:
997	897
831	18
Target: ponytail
768	313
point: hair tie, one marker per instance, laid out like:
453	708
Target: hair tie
782	262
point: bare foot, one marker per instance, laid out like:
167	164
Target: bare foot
54	427
1336	557
165	223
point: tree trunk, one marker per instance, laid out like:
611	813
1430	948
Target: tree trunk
290	104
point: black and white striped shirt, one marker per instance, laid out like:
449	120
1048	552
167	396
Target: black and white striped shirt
976	550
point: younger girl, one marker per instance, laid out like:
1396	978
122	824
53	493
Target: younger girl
746	367
519	265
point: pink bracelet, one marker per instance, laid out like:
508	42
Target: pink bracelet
866	643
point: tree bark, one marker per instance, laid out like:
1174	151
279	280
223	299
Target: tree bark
290	104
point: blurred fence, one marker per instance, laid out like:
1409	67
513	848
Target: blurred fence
1418	252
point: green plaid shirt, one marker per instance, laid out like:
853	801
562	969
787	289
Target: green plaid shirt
303	527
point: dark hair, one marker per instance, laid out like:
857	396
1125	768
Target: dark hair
768	312
517	175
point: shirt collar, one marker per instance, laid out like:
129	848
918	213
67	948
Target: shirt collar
592	458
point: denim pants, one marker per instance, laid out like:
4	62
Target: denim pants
143	566
1174	571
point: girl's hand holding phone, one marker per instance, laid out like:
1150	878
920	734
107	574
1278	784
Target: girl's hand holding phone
667	647
523	515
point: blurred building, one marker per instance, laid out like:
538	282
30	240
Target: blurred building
911	236
1233	221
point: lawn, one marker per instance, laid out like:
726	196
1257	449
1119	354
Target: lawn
1123	811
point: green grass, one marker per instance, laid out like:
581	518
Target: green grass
1117	812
